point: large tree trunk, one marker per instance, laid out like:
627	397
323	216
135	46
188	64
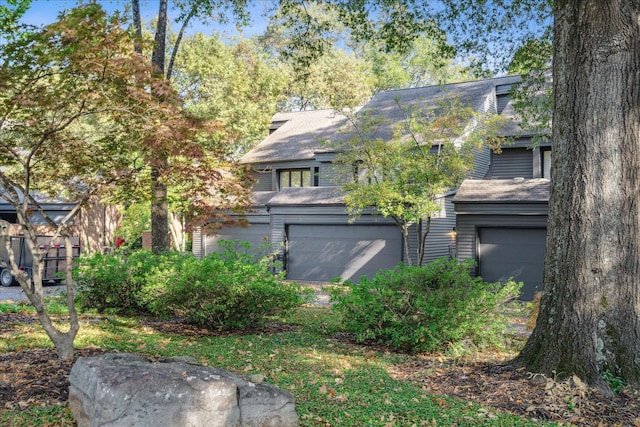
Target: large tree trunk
589	315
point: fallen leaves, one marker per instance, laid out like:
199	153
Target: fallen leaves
514	390
35	378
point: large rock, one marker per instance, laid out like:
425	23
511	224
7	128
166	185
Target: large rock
129	390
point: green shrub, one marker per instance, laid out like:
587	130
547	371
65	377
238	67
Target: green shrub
223	291
422	309
234	289
102	282
115	281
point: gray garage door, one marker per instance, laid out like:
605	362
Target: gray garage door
513	252
256	234
325	252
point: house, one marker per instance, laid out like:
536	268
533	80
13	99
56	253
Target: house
298	206
501	220
93	228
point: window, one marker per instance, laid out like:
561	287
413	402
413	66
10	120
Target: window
362	175
295	178
545	152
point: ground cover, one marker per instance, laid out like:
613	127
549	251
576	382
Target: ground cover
336	381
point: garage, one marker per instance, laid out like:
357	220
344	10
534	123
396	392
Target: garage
326	252
256	234
512	252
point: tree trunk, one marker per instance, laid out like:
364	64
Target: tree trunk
589	315
404	227
137	25
159	213
159	203
62	340
424	227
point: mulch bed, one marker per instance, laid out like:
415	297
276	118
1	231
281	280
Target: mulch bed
37	377
514	390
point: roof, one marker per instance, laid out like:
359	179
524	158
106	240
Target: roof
477	94
503	191
298	138
302	134
308	196
261	198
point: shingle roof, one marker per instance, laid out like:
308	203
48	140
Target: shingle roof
302	133
503	191
261	198
308	196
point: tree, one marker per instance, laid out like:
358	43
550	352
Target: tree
328	66
56	86
318	67
80	117
429	61
189	10
233	84
335	79
431	152
10	14
589	314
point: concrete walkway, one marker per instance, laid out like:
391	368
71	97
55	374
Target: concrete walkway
15	293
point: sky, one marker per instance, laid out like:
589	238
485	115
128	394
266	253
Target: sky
43	12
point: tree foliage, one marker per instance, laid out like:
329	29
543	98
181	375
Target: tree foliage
332	62
80	117
72	73
233	84
430	153
10	13
429	61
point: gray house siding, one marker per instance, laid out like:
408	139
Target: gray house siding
481	164
197	243
327	175
256	234
263	181
441	238
512	163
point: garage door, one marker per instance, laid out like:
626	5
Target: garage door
256	234
325	252
513	252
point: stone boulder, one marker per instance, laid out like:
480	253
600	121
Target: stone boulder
130	390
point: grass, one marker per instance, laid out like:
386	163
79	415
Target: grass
334	383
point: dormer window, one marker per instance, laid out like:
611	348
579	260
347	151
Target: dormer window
502	97
295	178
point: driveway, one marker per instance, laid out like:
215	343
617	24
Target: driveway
15	293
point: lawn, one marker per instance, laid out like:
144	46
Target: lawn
335	381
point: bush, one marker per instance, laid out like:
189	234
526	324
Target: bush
230	290
223	291
422	309
115	281
102	282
